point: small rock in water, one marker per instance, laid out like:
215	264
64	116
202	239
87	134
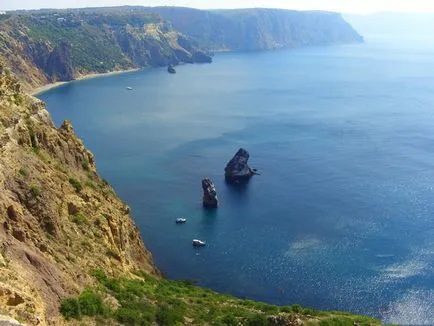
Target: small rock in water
210	199
237	169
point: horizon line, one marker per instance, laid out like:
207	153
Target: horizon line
236	8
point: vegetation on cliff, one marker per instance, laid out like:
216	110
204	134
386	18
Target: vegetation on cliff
259	29
144	300
63	44
46	46
58	218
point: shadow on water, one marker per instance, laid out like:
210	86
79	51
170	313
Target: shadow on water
238	187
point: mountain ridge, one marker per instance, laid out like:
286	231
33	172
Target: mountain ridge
47	46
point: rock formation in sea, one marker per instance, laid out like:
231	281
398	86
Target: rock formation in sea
210	199
237	169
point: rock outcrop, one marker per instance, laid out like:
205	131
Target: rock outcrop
58	219
210	199
237	169
59	64
259	28
48	46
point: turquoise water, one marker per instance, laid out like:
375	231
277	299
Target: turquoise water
342	215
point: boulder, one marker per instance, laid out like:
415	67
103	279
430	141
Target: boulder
237	169
210	199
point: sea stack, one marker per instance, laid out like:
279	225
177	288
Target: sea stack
237	169
210	199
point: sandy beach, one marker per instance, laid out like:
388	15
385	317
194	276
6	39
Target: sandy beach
42	89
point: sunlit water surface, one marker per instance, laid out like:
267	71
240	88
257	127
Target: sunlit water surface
342	216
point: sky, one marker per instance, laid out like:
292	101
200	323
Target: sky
344	6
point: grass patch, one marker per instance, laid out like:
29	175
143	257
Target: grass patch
79	219
85	165
145	300
35	190
23	172
76	184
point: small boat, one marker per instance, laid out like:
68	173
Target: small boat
171	70
129	88
180	220
198	243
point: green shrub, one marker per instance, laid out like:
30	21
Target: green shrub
79	219
70	308
229	320
85	165
338	321
23	172
35	190
76	184
297	308
257	320
91	303
167	316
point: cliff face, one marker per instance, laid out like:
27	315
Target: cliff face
259	29
58	45
58	219
49	46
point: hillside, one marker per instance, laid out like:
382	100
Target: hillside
259	29
48	46
70	252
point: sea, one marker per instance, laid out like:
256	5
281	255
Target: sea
341	216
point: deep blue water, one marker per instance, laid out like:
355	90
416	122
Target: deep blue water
342	216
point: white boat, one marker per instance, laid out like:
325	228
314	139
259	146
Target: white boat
181	220
129	88
198	243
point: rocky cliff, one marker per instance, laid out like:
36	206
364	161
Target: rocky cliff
46	46
58	219
259	29
49	46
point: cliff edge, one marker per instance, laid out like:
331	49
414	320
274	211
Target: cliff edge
59	220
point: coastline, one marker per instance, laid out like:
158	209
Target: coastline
42	89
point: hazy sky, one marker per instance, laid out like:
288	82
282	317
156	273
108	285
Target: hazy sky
347	6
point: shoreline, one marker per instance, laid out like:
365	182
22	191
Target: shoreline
42	89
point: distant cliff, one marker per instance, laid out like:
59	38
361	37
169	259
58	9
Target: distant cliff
259	29
48	46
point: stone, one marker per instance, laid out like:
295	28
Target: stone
73	209
210	199
237	169
20	235
7	321
12	214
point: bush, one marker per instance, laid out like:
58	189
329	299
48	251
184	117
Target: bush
79	218
257	320
229	320
297	308
166	316
91	303
70	308
35	190
23	172
76	184
85	165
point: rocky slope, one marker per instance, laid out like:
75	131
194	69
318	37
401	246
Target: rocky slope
58	219
259	29
49	46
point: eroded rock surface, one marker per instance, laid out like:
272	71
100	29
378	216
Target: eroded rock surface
237	169
210	199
